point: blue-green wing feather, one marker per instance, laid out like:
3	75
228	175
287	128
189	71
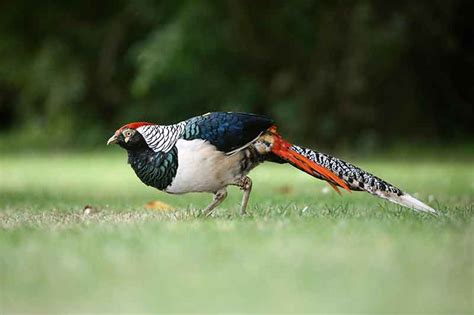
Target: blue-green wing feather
227	131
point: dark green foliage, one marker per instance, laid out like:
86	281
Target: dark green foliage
327	71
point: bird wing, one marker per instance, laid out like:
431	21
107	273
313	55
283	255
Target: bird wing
225	130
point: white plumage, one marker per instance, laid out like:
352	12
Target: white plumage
203	168
412	203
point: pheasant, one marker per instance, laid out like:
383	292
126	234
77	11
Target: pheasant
210	152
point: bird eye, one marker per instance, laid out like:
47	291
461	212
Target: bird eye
127	133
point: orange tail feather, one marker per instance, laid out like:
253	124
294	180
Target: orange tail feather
282	148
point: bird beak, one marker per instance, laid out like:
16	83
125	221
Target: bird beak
112	140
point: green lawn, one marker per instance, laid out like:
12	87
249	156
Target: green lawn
305	249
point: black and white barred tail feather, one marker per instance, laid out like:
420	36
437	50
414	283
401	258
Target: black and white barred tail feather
358	179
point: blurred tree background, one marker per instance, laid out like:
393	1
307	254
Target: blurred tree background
359	73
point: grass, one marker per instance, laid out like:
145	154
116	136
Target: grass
304	249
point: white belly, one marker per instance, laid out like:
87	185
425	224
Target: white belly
202	168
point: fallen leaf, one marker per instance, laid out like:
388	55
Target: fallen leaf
159	206
285	190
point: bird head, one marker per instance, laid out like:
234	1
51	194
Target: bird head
128	137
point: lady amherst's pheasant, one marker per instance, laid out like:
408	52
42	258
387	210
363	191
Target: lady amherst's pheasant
210	152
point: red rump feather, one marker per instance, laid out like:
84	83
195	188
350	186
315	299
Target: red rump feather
283	149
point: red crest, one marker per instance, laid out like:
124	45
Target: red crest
135	125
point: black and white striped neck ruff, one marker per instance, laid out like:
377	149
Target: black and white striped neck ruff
161	138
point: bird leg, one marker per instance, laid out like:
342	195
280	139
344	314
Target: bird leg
219	196
245	184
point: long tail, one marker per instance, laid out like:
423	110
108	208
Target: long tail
340	173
